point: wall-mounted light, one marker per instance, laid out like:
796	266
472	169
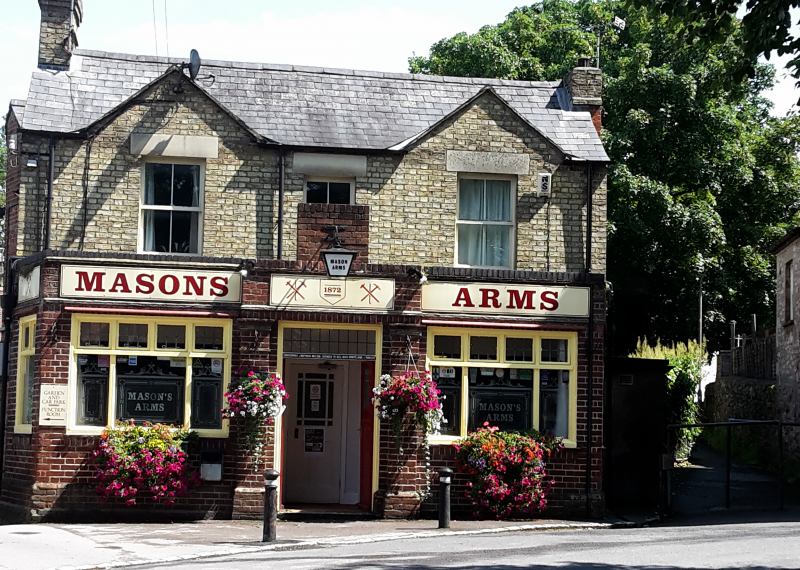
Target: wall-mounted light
337	259
32	163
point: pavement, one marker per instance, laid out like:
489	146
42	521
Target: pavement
698	498
102	546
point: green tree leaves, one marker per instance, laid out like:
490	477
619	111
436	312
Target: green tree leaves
703	180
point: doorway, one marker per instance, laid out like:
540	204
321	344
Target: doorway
322	433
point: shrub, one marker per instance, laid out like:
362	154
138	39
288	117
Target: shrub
507	472
682	383
131	459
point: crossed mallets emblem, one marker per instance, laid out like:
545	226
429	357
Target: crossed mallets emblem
295	290
370	293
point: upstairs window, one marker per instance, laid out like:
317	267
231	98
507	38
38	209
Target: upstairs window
485	227
172	208
329	191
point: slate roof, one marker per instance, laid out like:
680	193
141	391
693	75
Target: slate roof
304	106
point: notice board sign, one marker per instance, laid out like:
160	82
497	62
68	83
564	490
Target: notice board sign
53	405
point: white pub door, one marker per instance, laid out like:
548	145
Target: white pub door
318	467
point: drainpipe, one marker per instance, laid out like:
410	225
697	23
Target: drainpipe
589	343
281	172
8	301
589	176
50	178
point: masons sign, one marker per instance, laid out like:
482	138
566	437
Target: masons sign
151	400
133	283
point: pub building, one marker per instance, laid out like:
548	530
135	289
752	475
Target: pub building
166	227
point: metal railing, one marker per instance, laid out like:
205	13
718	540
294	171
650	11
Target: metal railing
667	462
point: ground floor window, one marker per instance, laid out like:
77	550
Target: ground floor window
515	380
172	371
25	372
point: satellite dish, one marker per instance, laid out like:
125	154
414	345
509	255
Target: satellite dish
194	64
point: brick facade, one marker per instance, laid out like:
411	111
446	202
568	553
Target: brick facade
403	225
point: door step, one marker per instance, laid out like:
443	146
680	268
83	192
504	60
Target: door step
323	514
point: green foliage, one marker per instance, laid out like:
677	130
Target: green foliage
702	181
682	382
766	28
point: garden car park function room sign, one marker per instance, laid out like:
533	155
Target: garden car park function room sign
134	283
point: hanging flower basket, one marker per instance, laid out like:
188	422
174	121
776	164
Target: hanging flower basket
413	393
254	401
132	459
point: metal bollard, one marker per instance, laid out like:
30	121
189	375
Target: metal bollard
270	505
445	477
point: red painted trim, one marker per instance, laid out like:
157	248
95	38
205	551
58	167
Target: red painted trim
161	312
503	325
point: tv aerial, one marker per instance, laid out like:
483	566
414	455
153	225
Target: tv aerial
193	66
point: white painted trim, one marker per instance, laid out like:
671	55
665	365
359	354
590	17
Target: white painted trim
319	164
488	162
174	146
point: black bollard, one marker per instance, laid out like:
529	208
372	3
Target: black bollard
445	477
270	505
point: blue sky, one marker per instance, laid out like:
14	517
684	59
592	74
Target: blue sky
353	34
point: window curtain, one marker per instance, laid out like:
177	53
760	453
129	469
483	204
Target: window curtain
149	230
484	201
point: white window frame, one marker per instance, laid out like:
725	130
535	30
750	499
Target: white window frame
25	357
512	238
114	349
200	209
535	365
340	179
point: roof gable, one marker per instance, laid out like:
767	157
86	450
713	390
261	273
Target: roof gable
301	106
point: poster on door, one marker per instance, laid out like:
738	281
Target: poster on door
315	440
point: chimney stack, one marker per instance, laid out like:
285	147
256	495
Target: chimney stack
58	32
585	87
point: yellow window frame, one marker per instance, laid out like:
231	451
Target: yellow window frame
189	353
25	354
536	365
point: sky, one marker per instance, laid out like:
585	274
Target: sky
350	34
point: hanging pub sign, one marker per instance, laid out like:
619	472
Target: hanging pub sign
505	299
145	284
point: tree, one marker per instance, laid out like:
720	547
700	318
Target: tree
765	28
702	181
